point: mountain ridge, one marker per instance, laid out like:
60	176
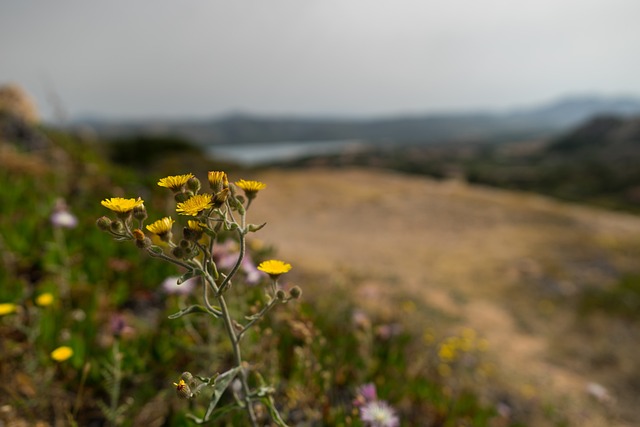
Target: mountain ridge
543	120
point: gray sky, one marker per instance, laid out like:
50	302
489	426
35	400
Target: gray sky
142	58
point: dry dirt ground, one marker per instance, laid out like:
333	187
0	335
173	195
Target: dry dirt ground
463	250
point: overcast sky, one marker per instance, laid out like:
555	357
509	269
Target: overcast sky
143	58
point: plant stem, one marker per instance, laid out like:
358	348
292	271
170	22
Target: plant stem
228	324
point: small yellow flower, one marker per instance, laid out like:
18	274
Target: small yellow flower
251	188
45	299
447	352
7	308
195	225
61	354
176	182
194	205
162	226
120	205
182	389
274	267
218	180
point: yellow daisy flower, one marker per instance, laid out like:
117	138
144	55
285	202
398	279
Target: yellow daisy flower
161	226
274	267
194	205
175	182
218	181
120	205
7	308
44	300
61	354
251	188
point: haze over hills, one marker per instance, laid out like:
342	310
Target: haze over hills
523	123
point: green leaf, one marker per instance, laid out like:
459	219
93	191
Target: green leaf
253	228
273	411
220	385
210	232
189	275
190	310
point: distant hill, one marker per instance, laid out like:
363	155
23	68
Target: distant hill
597	162
535	122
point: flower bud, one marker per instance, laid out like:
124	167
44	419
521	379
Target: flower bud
182	197
193	184
104	223
182	389
140	212
138	234
116	226
218	181
295	292
187	377
184	244
144	243
220	198
178	252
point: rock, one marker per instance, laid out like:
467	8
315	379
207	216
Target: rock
14	101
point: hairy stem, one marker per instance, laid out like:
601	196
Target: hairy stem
228	324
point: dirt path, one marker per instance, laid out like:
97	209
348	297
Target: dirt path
459	248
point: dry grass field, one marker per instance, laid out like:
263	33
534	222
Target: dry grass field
511	266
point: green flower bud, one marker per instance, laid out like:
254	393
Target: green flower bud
177	252
295	292
187	377
182	197
143	243
184	244
281	295
140	212
104	223
116	226
193	184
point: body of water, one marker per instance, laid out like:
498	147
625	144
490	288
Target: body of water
276	152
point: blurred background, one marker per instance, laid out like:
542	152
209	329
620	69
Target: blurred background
456	184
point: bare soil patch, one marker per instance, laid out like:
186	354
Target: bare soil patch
468	251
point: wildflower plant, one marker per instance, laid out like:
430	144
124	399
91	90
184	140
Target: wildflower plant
210	213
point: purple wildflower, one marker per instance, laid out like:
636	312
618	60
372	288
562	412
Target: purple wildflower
368	392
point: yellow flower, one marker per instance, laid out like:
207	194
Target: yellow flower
447	352
120	205
251	188
218	181
7	308
194	205
61	354
182	389
162	226
274	267
195	225
175	182
45	299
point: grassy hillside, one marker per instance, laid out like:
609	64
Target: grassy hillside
461	305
